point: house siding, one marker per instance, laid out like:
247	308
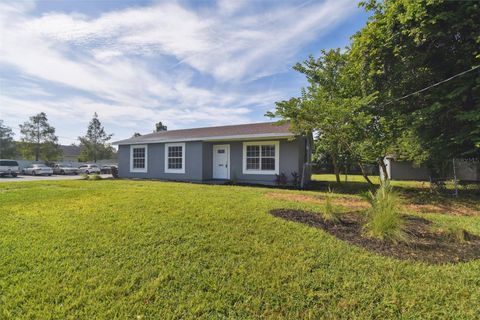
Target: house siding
465	170
199	158
290	152
156	163
405	170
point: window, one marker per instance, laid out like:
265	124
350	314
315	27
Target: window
9	163
138	158
261	157
175	157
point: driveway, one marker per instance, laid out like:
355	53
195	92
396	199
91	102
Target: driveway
53	177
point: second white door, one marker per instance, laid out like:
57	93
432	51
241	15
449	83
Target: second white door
221	161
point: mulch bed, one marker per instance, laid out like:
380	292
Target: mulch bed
425	245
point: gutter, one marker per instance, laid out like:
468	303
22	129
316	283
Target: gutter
218	138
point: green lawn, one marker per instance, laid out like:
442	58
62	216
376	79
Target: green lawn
159	250
359	179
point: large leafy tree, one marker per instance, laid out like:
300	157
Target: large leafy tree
360	101
328	108
94	145
409	45
38	139
7	145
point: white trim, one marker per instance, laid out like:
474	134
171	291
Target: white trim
219	138
167	170
259	143
132	169
227	146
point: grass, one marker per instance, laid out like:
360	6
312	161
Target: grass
455	233
414	192
359	180
385	221
329	212
158	250
93	176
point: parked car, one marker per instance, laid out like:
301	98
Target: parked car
89	168
107	169
38	169
9	167
65	169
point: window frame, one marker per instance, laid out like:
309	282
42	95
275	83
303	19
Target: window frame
138	146
168	145
260	171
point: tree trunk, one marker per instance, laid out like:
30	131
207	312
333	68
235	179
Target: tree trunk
336	169
384	169
364	174
37	146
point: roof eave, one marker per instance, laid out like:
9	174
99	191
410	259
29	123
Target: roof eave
217	138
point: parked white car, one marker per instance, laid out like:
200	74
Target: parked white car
65	169
38	169
8	167
89	168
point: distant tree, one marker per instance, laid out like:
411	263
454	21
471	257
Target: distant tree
39	140
160	127
94	145
136	134
7	145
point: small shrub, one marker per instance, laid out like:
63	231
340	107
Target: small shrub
438	186
455	234
91	176
94	177
296	179
329	211
385	221
280	179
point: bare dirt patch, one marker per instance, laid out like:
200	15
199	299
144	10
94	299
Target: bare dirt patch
359	204
351	203
425	244
457	209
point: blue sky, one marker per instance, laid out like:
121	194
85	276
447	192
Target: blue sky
185	63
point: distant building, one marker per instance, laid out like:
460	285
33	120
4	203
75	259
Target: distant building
465	170
70	153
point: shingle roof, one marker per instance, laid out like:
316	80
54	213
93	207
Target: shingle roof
70	151
252	130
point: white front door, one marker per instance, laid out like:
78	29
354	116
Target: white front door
221	161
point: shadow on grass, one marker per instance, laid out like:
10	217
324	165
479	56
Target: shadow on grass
415	195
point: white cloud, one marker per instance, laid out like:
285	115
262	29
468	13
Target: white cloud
144	64
102	55
228	48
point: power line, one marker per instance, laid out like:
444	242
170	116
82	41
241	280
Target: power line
433	85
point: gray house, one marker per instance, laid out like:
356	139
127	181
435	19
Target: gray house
247	153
